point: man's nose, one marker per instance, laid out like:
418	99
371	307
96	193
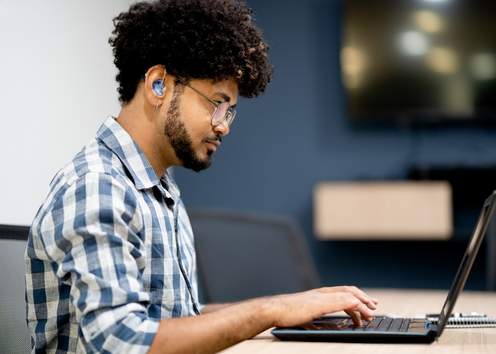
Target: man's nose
222	129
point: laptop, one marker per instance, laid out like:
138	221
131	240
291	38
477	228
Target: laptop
385	329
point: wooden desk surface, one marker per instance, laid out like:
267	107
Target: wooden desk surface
403	302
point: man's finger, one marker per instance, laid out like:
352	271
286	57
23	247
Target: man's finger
355	316
362	296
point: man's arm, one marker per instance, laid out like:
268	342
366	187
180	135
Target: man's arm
90	234
214	331
216	307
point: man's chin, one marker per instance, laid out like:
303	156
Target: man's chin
198	165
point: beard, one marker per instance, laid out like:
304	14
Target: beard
179	138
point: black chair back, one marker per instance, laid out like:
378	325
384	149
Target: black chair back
243	255
14	334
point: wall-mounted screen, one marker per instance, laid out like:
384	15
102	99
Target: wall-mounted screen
420	60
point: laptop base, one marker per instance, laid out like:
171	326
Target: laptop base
382	329
294	334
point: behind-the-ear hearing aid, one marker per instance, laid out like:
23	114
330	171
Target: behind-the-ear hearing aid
158	87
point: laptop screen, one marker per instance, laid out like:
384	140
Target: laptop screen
467	261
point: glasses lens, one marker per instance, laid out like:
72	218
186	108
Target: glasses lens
231	113
220	113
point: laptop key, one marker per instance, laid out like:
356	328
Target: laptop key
372	326
404	325
364	325
396	325
385	324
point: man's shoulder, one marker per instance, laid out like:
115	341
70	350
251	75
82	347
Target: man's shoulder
94	159
94	165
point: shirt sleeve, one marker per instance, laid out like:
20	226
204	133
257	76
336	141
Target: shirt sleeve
91	234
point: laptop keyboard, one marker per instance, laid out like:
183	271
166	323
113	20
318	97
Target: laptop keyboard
382	324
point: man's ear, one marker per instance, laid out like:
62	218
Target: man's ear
156	85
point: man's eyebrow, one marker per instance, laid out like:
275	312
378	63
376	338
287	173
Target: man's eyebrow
224	96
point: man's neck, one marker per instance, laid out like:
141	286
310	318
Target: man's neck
143	129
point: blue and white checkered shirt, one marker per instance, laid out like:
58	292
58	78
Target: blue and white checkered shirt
110	253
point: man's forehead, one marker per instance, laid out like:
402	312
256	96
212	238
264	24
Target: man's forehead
227	87
225	83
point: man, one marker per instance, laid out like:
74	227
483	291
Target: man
110	258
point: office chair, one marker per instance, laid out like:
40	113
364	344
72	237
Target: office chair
243	255
14	335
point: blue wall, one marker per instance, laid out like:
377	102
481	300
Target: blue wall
298	133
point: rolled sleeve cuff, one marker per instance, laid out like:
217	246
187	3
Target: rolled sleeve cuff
132	334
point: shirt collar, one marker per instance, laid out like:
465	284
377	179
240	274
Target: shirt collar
120	142
171	186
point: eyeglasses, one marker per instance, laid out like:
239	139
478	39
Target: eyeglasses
223	111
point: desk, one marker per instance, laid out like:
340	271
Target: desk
404	302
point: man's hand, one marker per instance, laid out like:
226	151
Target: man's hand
295	309
227	325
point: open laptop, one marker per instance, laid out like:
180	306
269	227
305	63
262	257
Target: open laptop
395	330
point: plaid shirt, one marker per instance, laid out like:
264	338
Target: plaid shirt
110	253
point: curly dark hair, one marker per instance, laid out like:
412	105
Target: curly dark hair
193	39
